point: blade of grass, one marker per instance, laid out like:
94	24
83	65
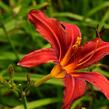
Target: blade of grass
40	6
105	17
87	21
38	103
4	6
78	101
10	41
98	69
97	8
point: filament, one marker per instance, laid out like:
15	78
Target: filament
68	55
88	55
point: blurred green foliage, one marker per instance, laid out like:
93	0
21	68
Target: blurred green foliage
18	37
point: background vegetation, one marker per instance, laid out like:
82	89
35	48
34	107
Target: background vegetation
18	37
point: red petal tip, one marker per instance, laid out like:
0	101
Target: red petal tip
23	65
32	13
18	63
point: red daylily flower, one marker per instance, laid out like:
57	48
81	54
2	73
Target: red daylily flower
68	55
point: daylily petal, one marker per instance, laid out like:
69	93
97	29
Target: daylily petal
97	80
60	35
91	52
74	88
50	29
38	57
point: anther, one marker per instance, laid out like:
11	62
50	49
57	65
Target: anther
77	43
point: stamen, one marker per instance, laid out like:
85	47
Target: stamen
77	43
66	57
68	54
70	67
75	48
88	56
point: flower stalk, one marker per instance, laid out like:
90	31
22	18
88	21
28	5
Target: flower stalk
24	100
42	80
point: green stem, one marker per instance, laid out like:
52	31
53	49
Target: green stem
42	80
25	101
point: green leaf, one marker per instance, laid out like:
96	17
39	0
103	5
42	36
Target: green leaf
38	103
